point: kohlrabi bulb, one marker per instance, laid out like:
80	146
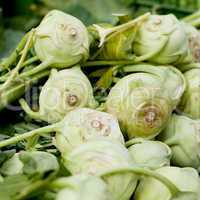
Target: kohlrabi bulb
163	39
150	154
190	101
143	101
182	135
97	156
82	187
64	91
185	179
82	125
193	36
61	39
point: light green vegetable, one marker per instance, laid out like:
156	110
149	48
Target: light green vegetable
61	40
163	38
182	135
186	179
30	163
81	187
193	37
151	154
79	126
113	163
84	124
143	101
190	101
97	156
64	91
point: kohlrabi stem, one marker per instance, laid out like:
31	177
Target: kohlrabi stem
13	57
27	62
196	22
192	17
128	62
60	183
134	141
118	29
16	91
15	139
30	61
146	172
15	71
185	68
107	62
39	68
27	109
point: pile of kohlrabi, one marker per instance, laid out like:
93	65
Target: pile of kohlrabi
117	116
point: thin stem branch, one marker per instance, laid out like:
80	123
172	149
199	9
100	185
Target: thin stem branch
15	139
142	171
12	58
19	65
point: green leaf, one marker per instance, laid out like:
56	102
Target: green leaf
38	162
12	185
106	80
12	166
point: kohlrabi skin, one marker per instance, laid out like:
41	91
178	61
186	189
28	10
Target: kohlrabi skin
186	180
82	125
64	91
163	38
193	37
150	154
143	101
61	40
182	135
97	156
82	187
190	101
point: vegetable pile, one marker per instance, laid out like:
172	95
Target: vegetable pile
118	114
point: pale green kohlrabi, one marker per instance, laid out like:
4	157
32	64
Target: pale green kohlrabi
79	126
61	40
86	124
100	155
190	101
29	163
186	180
64	91
163	39
193	36
143	101
182	134
150	154
82	187
112	162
